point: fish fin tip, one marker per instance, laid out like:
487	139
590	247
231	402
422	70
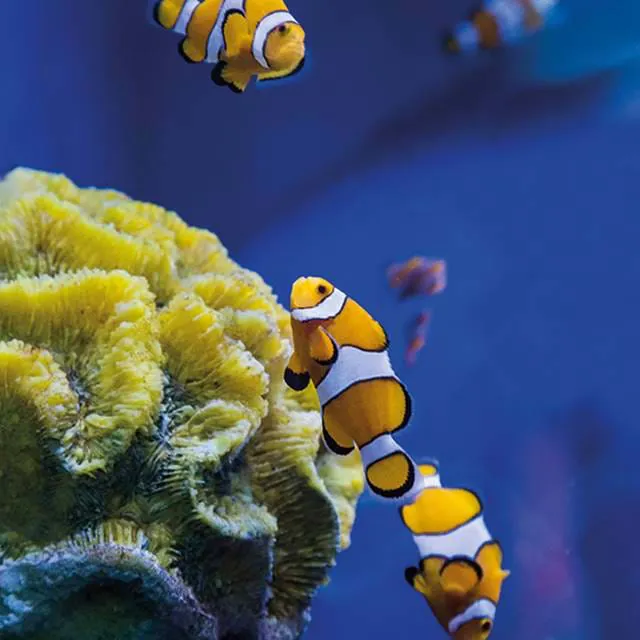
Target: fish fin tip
333	445
182	51
222	76
410	575
296	381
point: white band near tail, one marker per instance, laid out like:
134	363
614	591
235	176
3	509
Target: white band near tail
382	447
353	365
263	29
463	541
479	609
185	15
329	308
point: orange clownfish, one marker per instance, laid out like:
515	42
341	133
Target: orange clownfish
243	38
460	573
344	351
499	22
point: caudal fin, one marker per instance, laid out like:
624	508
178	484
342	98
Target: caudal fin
389	470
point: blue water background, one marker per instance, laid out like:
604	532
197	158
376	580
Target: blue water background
521	170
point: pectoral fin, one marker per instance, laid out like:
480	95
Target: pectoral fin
226	75
295	375
459	575
322	347
415	580
236	33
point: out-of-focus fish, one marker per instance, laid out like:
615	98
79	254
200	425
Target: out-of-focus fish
344	351
460	573
243	38
497	23
419	337
418	276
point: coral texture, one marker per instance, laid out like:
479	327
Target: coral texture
158	479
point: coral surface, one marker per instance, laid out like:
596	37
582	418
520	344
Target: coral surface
158	479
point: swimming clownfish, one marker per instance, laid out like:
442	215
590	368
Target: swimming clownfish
344	351
243	38
460	572
498	22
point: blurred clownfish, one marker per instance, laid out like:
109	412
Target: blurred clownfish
243	38
460	573
499	22
343	350
418	276
419	337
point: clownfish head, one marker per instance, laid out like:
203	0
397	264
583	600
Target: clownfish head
309	292
284	47
315	300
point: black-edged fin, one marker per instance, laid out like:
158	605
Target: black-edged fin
406	412
322	347
331	442
295	375
224	75
155	12
184	51
392	476
459	575
410	575
281	75
296	381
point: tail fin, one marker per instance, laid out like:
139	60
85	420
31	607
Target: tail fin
390	472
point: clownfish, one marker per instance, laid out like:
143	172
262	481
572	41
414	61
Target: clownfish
418	276
498	22
460	573
344	351
243	38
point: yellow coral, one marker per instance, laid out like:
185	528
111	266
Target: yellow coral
102	327
141	386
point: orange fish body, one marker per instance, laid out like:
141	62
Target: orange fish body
460	573
242	38
499	22
344	352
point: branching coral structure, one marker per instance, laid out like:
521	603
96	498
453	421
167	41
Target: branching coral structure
158	478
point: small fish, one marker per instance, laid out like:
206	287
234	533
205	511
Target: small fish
418	276
460	573
242	38
419	337
497	23
344	352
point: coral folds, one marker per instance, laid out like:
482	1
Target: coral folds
158	479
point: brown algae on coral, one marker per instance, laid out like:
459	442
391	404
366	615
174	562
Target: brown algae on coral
149	451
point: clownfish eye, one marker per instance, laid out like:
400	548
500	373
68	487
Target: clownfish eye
282	28
322	288
486	626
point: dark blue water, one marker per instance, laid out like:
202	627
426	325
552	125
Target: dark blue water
520	170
